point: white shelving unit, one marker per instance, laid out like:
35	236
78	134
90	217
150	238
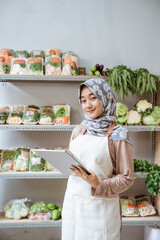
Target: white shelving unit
6	223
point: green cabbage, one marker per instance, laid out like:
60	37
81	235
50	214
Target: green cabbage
156	113
149	120
121	120
121	109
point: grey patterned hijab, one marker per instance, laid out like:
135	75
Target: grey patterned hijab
100	125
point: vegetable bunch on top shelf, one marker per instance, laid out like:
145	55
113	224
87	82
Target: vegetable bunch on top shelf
123	81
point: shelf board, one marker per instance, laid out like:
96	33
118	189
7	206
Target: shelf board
128	221
44	78
32	175
48	175
38	127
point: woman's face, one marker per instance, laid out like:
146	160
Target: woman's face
90	103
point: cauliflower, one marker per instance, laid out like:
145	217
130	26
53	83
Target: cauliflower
143	107
133	118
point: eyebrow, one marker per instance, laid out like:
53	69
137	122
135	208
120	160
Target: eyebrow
89	95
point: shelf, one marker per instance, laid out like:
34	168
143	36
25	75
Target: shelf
32	175
47	175
43	78
128	221
39	127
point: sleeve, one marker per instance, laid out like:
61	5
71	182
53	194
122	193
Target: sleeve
122	152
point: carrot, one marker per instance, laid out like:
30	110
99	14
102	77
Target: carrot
7	60
67	59
73	64
34	60
62	120
19	61
2	59
3	50
55	60
57	51
12	165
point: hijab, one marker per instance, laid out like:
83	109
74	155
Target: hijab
99	126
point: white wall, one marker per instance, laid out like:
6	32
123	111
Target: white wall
111	32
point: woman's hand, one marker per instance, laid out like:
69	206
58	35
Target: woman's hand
80	172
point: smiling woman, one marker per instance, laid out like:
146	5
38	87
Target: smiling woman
91	205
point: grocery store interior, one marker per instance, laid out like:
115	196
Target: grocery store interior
104	32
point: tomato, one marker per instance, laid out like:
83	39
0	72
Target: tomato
52	52
2	59
73	64
8	53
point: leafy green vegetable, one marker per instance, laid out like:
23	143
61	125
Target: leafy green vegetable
39	207
55	214
75	71
144	166
18	53
9	155
36	163
153	182
52	206
121	109
121	120
54	64
149	120
22	65
60	112
35	67
6	68
156	113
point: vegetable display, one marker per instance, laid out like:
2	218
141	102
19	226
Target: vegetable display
22	159
153	182
53	65
69	64
62	114
18	66
16	208
35	66
14	117
8	158
30	116
36	162
143	107
46	116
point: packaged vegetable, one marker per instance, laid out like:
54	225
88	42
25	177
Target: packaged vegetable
144	206
129	207
53	65
30	116
14	117
36	163
21	54
37	54
8	158
6	51
3	115
35	66
70	62
16	208
5	64
46	116
53	51
39	207
18	66
40	216
62	114
52	206
22	159
46	107
5	107
19	108
49	167
33	106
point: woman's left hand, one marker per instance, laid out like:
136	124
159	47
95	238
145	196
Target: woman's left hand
80	172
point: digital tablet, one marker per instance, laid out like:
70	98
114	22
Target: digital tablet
61	160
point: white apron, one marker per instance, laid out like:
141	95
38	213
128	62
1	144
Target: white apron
85	217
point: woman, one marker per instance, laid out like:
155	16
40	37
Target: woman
91	209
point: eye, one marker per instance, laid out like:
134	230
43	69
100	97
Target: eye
93	98
83	101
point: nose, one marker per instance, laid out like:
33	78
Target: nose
88	104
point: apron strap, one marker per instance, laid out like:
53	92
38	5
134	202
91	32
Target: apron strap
110	129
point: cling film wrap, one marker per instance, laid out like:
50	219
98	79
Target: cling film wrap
46	116
52	51
62	114
18	66
36	164
37	54
5	64
53	65
129	207
17	208
49	167
22	159
3	115
14	117
144	206
70	64
6	51
30	116
8	159
35	66
40	216
21	54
